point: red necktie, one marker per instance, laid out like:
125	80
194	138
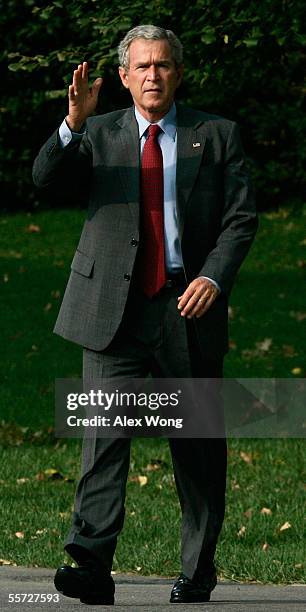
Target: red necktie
152	262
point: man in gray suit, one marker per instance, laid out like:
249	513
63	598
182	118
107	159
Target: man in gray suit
171	216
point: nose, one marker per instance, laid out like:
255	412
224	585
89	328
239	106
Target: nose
152	74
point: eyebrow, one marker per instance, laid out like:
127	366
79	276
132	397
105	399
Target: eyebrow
147	64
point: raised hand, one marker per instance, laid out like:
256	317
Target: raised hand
82	98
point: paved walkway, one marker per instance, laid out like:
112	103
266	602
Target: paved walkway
148	594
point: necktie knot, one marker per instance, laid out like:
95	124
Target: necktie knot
154	130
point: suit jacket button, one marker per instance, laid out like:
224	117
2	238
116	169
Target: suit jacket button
134	242
127	277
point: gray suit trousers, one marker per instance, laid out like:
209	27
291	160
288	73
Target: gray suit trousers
152	339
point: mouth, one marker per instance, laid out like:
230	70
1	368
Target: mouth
153	91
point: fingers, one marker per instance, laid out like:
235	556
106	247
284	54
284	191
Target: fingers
85	70
71	93
190	297
202	306
190	300
197	298
80	78
80	83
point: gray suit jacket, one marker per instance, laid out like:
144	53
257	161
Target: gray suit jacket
216	210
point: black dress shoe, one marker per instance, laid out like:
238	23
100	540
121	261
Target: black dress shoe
193	591
86	583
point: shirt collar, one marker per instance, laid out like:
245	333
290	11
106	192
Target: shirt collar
166	123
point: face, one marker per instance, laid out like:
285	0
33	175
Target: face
152	77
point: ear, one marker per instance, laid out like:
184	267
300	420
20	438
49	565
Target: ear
124	77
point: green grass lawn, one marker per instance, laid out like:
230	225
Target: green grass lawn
267	334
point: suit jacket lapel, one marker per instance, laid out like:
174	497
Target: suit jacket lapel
190	148
129	160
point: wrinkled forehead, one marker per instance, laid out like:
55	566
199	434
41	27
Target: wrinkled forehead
149	51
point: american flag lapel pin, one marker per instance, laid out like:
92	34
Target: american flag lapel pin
196	144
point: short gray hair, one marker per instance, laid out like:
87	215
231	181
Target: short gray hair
149	32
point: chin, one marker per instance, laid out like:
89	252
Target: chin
156	108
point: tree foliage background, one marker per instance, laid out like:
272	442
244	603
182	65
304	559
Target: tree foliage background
243	60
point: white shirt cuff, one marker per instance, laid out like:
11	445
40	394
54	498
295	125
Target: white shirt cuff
66	135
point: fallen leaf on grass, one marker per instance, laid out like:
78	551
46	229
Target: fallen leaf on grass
41	531
298	565
152	467
266	511
7	562
232	344
241	531
49	474
285	526
281	213
298	315
265	546
47	307
231	313
32	228
56	294
259	351
64	515
33	351
142	480
53	474
247	457
296	371
19	535
22	480
248	513
264	345
5	278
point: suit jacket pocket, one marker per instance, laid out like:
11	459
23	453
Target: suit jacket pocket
82	263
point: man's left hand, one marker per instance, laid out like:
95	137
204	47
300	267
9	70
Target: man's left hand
198	297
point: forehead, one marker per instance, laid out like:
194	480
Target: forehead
149	50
